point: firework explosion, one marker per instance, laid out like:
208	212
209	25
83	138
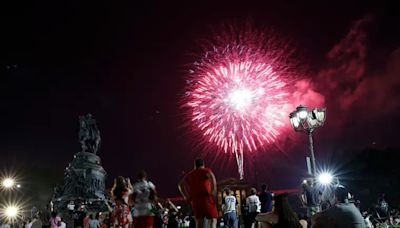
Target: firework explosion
237	93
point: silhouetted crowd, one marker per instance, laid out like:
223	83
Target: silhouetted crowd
137	205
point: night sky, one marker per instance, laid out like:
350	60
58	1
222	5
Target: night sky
126	63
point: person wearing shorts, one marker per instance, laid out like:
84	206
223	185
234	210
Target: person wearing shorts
199	187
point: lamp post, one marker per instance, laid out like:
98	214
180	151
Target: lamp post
304	120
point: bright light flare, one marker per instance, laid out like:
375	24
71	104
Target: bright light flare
12	208
8	183
11	212
325	178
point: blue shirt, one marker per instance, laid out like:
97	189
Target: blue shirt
312	195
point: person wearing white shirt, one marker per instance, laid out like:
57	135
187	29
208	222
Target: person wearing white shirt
229	208
253	205
144	196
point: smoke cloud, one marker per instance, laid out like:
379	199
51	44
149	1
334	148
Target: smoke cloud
356	92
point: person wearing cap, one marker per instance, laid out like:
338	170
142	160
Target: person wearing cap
343	214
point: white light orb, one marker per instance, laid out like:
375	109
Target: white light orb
302	114
295	121
8	183
11	211
325	178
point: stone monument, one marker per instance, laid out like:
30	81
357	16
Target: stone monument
84	178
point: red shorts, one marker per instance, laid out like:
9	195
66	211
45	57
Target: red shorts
204	207
143	222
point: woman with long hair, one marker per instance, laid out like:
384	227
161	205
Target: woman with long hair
283	215
286	216
120	192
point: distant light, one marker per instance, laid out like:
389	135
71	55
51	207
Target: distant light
179	207
18	185
8	183
304	181
11	211
325	178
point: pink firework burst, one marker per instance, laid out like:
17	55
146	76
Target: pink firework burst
237	93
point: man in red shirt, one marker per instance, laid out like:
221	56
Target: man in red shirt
199	187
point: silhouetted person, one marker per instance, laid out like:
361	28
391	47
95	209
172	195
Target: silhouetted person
253	205
55	221
144	196
266	199
121	215
311	198
229	205
283	215
343	214
94	222
199	187
382	207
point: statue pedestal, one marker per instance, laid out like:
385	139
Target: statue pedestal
84	183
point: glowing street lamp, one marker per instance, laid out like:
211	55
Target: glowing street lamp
11	212
304	120
8	183
325	178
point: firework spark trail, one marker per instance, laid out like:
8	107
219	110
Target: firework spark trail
237	94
